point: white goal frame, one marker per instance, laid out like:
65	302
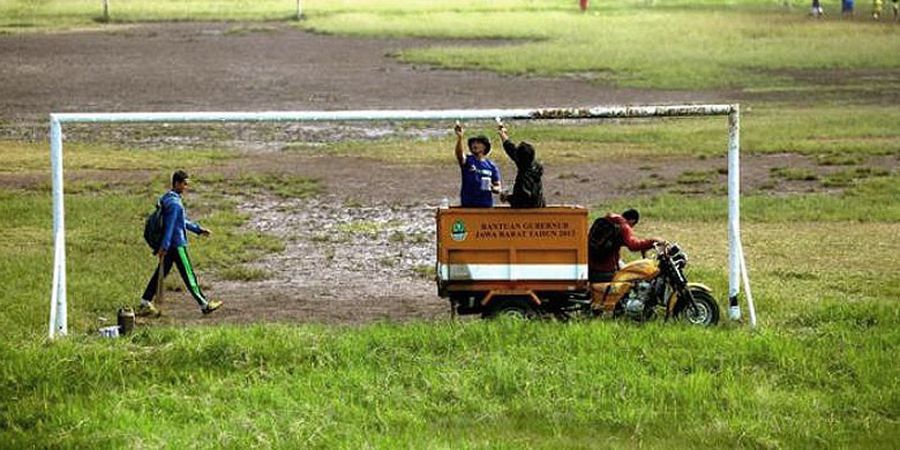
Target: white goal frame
737	263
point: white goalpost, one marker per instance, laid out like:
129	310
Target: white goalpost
737	267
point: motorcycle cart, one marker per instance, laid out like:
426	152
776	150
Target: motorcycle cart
534	262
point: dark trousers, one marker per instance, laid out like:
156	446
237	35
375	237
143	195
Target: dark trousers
179	257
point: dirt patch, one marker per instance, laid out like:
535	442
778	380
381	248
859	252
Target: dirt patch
204	66
342	264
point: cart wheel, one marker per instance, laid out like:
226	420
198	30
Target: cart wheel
511	307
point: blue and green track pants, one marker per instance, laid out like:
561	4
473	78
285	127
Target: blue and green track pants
179	257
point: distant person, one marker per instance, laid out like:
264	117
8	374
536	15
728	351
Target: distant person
605	239
895	5
480	176
877	9
173	249
528	190
816	11
847	8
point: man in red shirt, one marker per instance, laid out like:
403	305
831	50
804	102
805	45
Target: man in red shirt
605	263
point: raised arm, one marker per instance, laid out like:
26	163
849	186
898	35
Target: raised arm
508	146
458	129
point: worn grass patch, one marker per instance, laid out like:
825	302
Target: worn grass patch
794	174
868	200
361	228
243	273
851	177
34	158
838	159
697	177
281	185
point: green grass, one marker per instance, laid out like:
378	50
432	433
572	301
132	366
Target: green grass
820	373
869	199
494	385
24	15
640	46
33	158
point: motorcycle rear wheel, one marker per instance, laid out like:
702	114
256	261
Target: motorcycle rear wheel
706	312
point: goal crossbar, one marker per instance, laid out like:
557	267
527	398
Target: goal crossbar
737	264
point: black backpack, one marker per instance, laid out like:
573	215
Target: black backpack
154	227
605	236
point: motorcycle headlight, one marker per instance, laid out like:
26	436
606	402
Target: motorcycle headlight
674	249
679	258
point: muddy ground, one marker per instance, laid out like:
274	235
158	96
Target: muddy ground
216	66
363	250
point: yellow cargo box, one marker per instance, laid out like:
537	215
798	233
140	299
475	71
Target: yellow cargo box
491	249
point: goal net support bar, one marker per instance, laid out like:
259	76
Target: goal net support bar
736	262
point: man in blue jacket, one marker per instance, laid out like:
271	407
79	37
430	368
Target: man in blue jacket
173	249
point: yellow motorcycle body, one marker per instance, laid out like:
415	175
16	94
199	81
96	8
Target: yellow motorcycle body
606	295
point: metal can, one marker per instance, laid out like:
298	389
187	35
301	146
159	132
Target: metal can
125	319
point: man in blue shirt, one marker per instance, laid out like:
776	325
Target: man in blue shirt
480	176
173	249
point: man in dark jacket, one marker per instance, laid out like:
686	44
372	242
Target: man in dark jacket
528	190
173	249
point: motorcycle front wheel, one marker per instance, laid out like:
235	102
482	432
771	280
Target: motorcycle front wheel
705	313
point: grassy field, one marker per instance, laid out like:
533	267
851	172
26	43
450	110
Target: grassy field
647	48
820	373
472	385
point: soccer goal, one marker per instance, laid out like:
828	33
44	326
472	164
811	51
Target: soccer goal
737	267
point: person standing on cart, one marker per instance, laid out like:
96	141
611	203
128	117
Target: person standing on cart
480	176
528	189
